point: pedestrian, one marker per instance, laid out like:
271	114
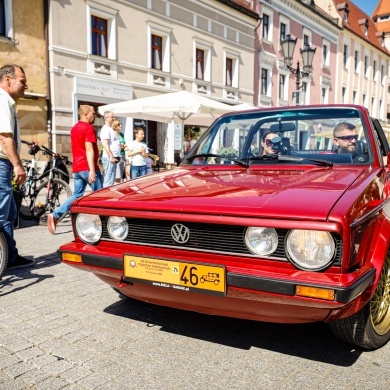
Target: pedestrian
111	149
13	83
137	150
85	163
120	166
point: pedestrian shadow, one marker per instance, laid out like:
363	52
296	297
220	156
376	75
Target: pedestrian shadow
11	283
312	341
21	278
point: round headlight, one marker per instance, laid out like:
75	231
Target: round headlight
89	228
310	249
261	240
117	227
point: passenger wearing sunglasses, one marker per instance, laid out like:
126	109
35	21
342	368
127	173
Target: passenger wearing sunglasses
271	143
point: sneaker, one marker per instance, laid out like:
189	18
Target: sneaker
20	262
52	223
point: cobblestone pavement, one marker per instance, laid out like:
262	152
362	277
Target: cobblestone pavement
65	329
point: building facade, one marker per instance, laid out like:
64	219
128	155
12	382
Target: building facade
115	50
310	26
363	61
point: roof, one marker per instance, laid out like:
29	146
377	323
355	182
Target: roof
358	20
244	6
383	8
383	26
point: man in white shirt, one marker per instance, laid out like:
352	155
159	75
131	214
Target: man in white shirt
111	149
13	83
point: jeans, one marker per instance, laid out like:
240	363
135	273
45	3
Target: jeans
80	180
137	171
7	207
109	172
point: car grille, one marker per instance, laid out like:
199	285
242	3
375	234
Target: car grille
205	237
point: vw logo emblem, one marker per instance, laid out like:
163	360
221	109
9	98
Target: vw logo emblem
180	233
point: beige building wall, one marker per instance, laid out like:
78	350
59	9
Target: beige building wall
355	86
25	46
78	76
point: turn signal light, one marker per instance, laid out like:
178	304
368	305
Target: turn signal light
315	292
72	257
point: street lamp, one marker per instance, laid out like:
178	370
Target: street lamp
288	47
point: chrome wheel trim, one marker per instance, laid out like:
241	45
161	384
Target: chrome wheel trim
380	302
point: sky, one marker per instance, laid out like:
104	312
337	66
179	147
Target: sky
368	6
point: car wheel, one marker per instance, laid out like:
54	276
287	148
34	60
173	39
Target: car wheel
369	328
3	254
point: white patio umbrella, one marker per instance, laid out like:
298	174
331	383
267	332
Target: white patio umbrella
243	107
182	107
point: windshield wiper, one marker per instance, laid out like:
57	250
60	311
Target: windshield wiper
209	155
323	163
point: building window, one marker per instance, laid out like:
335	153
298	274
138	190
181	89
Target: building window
305	92
156	52
306	37
364	99
265	26
365	65
229	72
202	61
264	81
343	90
374	71
325	53
356	61
231	69
99	36
6	19
283	31
345	55
354	97
2	19
282	86
199	64
102	31
159	47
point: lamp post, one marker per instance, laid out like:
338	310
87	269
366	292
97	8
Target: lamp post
288	46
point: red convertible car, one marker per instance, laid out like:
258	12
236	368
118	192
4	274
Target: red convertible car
287	208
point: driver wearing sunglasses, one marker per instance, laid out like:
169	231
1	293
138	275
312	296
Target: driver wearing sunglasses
345	138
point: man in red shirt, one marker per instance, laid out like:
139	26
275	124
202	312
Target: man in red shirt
85	162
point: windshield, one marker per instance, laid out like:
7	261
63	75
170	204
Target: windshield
335	135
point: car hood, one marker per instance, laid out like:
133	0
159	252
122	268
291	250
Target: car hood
275	192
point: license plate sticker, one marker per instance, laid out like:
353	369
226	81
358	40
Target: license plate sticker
174	274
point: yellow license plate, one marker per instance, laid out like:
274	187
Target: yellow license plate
174	274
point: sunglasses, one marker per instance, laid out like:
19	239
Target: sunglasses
269	143
348	138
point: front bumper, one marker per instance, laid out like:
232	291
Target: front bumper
281	282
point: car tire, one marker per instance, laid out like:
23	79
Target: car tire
3	254
369	328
